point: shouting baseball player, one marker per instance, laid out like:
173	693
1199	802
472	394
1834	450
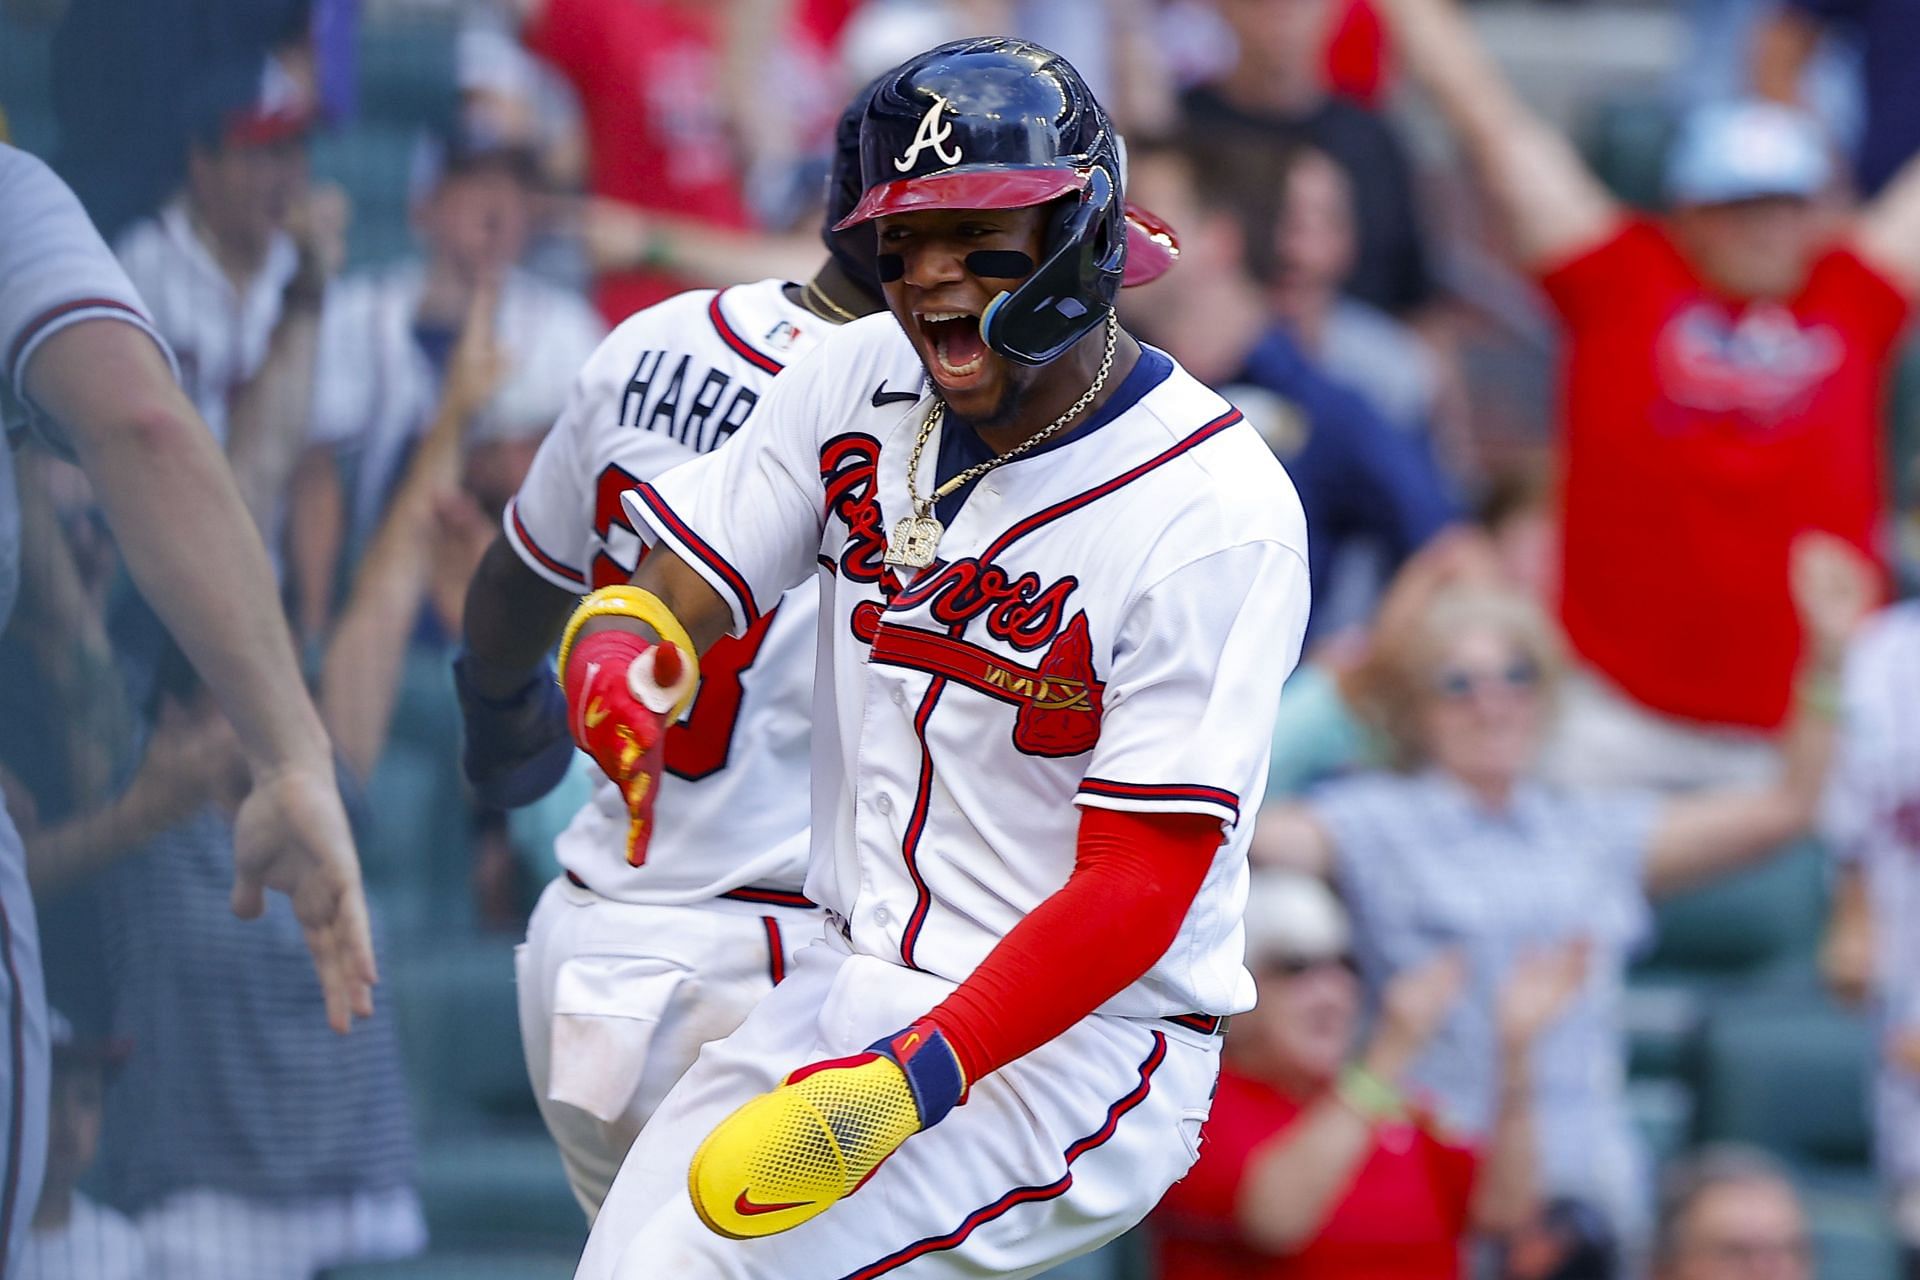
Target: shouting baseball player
1060	592
643	952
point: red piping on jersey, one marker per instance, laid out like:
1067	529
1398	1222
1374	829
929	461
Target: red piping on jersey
741	348
917	824
1182	792
526	540
1058	509
752	893
776	953
33	329
686	537
910	844
1031	1194
769	897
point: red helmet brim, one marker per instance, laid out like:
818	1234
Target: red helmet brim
983	188
1152	247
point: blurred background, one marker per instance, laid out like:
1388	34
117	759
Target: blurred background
1559	745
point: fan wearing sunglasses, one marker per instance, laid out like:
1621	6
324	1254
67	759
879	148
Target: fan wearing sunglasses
1462	844
1315	1165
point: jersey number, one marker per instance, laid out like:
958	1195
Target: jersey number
698	746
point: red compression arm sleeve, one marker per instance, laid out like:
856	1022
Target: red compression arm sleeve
1134	877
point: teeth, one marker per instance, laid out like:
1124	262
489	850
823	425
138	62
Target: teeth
933	317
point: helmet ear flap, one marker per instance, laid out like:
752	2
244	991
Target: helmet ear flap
1069	295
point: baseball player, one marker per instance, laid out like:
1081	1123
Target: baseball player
80	353
1060	590
640	954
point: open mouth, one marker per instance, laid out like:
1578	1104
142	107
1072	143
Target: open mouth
958	350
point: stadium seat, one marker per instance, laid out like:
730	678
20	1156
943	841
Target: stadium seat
460	1034
1766	917
26	86
1625	140
1852	1238
499	1191
1788	1071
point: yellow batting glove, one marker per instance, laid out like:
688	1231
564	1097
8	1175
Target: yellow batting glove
792	1154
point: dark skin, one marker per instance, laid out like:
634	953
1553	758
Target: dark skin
1005	402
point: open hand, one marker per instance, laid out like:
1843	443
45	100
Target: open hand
1414	1005
1834	587
291	836
1543	983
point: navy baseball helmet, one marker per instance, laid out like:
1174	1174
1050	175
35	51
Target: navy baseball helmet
853	249
996	123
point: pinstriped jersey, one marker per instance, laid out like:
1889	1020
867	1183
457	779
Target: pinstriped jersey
672	382
1107	623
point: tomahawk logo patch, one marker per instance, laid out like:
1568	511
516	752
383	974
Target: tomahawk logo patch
932	134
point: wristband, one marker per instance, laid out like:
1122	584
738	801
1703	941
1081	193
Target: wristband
1368	1095
642	606
1819	694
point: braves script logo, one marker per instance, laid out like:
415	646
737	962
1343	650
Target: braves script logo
932	134
1058	701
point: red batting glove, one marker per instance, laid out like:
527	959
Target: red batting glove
622	690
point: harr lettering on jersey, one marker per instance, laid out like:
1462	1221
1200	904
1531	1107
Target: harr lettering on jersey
699	407
1058	702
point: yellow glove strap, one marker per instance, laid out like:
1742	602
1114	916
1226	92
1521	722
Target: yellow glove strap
643	606
791	1154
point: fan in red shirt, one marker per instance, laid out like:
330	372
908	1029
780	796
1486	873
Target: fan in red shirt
1309	1171
1723	379
648	75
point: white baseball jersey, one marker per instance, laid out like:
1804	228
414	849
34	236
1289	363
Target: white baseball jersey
1872	821
219	334
672	382
1108	624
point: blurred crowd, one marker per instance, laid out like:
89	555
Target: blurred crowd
1610	499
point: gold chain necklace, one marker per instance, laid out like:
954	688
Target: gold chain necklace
812	290
916	537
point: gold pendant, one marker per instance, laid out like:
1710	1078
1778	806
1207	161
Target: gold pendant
913	542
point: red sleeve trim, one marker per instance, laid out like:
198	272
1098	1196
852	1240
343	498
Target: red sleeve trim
739	345
40	323
695	546
520	535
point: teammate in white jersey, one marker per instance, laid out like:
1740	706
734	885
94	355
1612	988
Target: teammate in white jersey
1060	594
79	352
640	954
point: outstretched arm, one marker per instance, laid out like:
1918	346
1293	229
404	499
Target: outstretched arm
190	545
361	677
1888	236
1553	206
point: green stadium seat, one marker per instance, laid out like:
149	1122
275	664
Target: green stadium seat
460	1035
1769	916
374	162
26	86
499	1191
407	72
464	1266
1788	1071
1625	140
1852	1237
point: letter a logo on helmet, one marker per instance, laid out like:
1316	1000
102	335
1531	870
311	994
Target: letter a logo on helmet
933	134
